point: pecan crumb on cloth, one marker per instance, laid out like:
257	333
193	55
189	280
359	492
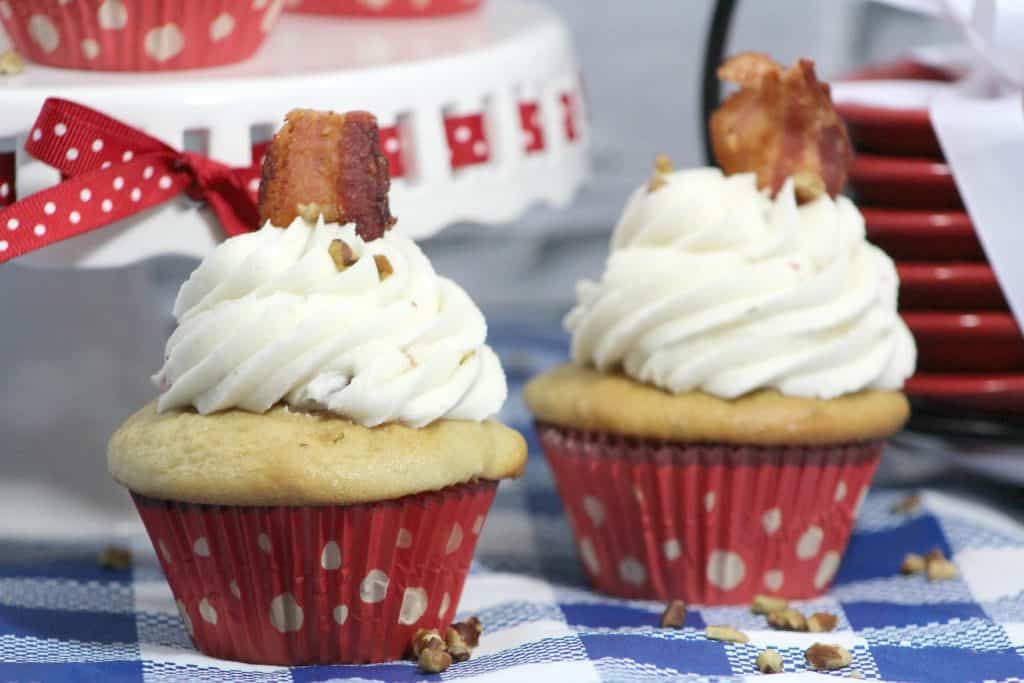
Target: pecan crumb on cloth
726	633
769	662
827	657
434	654
115	557
674	614
11	63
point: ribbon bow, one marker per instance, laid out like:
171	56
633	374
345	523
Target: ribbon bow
112	171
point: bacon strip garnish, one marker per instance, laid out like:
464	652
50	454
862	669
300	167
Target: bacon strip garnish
781	124
330	165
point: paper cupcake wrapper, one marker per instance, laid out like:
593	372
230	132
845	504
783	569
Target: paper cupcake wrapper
385	8
138	35
708	524
317	585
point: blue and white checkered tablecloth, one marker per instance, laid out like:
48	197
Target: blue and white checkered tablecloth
63	618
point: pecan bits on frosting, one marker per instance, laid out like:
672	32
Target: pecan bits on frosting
384	267
781	124
342	254
662	167
329	165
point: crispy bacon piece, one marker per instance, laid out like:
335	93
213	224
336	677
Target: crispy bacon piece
781	123
323	163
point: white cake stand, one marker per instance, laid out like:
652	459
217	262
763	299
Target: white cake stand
416	76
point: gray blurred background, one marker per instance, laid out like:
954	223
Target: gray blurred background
77	347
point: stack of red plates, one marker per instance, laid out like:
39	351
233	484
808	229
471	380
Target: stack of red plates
970	349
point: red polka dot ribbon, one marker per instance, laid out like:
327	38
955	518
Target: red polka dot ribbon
112	171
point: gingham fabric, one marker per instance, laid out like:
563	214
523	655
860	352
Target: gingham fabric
64	618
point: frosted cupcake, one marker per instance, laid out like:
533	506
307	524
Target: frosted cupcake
319	464
735	370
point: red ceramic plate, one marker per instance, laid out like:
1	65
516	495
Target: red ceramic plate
892	131
992	393
923	235
903	182
949	286
966	342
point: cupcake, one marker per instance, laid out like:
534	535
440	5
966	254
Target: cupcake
737	367
318	466
138	35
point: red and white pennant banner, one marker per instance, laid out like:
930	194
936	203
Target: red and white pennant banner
112	171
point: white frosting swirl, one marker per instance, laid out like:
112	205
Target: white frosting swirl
268	317
713	286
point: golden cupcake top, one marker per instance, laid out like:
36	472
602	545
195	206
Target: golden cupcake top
733	298
320	359
283	457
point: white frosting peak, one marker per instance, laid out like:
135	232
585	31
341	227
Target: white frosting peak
268	317
713	286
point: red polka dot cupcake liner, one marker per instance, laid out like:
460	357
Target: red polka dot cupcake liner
138	35
317	585
705	523
385	8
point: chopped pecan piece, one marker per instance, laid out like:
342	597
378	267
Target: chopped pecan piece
457	647
662	167
434	660
115	557
769	662
905	506
726	633
674	614
384	267
342	254
469	630
425	638
913	564
788	619
11	63
821	622
941	570
766	604
827	657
